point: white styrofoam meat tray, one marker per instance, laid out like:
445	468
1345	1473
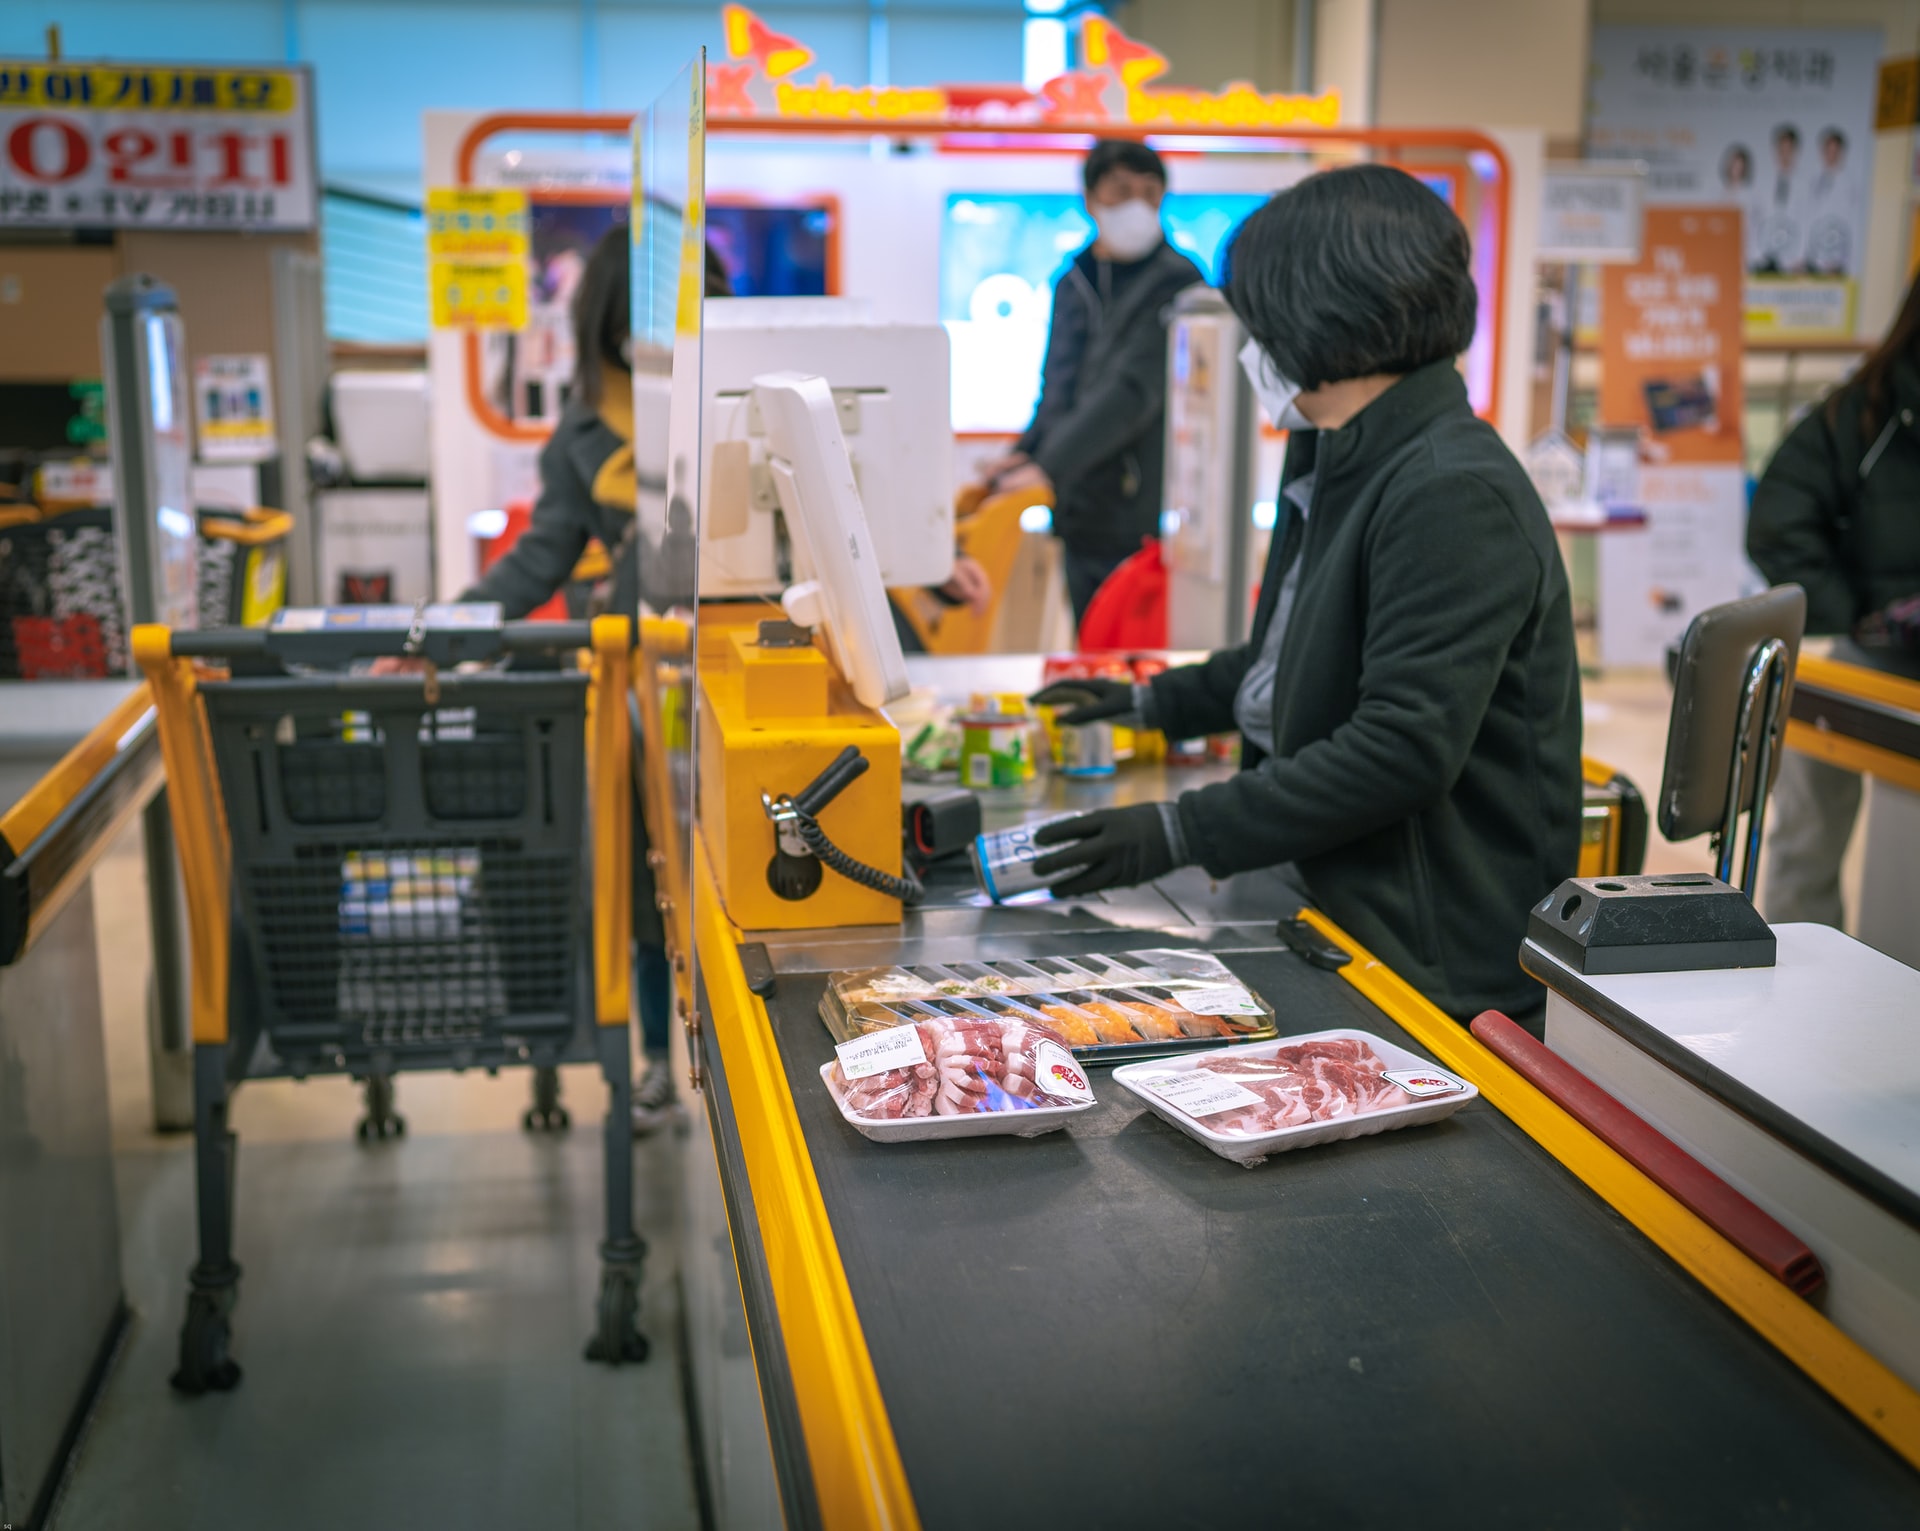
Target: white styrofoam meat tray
975	1124
1251	1150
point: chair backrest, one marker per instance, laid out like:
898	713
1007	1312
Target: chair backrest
1711	695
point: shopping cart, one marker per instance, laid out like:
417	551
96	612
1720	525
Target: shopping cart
396	872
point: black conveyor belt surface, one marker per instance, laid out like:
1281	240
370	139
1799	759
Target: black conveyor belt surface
1109	1326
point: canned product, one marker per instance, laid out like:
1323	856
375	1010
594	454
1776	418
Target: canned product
1086	749
994	751
1003	860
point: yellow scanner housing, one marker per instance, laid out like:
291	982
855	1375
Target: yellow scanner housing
772	719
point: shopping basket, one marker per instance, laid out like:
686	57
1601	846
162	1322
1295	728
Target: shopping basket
396	872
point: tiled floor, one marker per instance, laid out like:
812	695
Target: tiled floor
411	1313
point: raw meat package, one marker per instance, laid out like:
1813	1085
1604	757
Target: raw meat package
964	1074
1111	1006
1248	1102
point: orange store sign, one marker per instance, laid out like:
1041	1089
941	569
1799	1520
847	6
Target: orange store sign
1112	89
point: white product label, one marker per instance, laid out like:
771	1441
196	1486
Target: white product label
1423	1081
898	1047
1218	999
1055	1072
1200	1092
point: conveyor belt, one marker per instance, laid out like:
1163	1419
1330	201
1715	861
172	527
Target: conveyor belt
1109	1326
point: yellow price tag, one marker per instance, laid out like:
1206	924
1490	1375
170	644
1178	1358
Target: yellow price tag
478	295
478	223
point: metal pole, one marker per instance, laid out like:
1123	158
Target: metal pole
142	346
1303	45
1772	721
1768	659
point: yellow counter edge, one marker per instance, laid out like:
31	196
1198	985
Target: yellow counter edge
1856	1380
857	1473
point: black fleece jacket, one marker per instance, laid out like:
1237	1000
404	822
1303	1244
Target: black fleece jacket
1098	427
1838	510
1424	768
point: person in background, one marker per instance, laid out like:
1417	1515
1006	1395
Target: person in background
1736	183
1095	440
1781	207
587	492
1838	513
1409	701
1830	209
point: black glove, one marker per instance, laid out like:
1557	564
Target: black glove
1113	848
1097	699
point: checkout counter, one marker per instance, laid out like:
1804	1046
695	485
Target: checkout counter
62	1307
1493	1320
1868	721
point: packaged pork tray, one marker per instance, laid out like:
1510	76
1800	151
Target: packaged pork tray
1107	1007
1295	1092
968	1075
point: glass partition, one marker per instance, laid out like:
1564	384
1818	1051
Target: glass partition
669	244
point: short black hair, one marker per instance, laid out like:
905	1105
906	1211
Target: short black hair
1353	272
1833	136
1121	154
1787	133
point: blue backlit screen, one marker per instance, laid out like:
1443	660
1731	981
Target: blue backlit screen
1000	255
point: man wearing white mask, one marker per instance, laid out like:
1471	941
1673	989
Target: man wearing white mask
1409	701
1096	436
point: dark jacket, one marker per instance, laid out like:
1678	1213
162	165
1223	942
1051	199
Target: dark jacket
1850	538
1099	425
1424	769
565	517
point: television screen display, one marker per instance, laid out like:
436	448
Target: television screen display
1000	255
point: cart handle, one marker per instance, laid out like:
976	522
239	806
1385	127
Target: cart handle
513	638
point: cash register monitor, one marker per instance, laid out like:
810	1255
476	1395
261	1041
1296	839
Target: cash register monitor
841	589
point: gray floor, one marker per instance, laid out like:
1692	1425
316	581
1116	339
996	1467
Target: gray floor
411	1314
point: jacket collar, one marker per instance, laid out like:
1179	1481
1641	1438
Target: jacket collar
1400	415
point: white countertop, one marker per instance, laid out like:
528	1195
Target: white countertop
1830	1036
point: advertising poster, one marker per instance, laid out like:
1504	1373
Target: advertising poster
166	146
234	401
1774	121
1670	371
477	243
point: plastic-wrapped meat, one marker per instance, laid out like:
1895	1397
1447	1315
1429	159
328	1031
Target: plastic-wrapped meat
1312	1082
974	1063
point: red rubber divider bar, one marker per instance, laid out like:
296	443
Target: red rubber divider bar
1656	1155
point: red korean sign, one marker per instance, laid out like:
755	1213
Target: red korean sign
163	146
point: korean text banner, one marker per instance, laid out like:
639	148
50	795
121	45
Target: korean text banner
171	146
1670	348
1776	121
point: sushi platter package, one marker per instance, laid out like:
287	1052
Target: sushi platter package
1107	1007
964	1073
1292	1093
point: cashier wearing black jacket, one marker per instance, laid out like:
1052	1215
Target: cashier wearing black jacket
1409	699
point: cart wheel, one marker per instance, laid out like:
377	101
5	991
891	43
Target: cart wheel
616	1337
205	1366
546	1114
381	1120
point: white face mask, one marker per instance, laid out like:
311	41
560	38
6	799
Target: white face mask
1129	231
1275	391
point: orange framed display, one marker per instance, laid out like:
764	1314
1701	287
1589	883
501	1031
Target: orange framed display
1415	150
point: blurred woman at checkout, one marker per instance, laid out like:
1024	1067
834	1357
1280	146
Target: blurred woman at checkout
1409	701
1838	513
588	493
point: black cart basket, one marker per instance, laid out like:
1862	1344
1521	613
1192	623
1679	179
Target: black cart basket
418	864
